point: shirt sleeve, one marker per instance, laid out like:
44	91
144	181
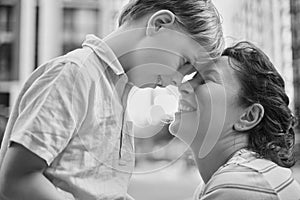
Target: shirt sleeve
235	182
237	194
51	110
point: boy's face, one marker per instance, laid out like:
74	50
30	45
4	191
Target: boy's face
163	58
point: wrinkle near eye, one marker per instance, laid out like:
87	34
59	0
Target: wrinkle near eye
213	76
200	79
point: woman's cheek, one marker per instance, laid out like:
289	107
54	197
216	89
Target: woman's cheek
212	108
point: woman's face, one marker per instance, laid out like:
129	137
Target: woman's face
208	106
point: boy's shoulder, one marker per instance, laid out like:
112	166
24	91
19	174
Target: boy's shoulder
82	60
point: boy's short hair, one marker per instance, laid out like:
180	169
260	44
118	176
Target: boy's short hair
199	18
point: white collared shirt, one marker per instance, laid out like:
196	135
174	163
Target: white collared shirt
70	114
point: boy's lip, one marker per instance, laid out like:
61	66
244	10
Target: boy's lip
185	106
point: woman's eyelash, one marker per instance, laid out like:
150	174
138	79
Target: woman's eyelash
210	77
199	77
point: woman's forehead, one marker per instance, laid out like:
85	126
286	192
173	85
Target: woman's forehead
218	64
225	70
222	62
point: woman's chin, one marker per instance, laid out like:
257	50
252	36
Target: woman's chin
180	121
184	125
174	126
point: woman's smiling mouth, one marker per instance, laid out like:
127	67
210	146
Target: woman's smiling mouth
185	106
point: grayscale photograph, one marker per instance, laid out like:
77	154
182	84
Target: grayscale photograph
149	99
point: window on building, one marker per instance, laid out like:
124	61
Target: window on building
77	22
9	37
4	103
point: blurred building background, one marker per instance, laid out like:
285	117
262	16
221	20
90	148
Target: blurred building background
34	31
295	25
266	23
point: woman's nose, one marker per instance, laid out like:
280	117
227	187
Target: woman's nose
185	88
176	79
183	70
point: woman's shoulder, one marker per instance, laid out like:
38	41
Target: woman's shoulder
256	172
246	176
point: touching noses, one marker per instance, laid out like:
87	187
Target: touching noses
182	71
173	79
176	79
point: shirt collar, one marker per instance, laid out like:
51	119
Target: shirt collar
104	52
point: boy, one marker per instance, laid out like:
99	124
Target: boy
68	134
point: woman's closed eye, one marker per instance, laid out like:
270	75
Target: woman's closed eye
200	79
212	76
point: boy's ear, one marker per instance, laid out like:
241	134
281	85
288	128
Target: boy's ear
161	18
250	118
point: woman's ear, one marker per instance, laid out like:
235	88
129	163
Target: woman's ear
161	18
250	118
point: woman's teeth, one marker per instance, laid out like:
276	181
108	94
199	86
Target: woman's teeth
184	108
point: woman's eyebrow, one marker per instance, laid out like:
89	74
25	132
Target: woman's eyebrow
201	65
208	71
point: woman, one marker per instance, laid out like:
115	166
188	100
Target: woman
235	117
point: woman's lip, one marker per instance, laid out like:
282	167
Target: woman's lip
185	106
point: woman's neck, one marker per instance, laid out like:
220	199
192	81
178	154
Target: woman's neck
219	155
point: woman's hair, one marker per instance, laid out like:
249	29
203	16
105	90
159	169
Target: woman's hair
273	138
199	18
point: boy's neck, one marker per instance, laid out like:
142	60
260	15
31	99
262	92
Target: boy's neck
121	83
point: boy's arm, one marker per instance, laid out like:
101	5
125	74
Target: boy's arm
21	176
